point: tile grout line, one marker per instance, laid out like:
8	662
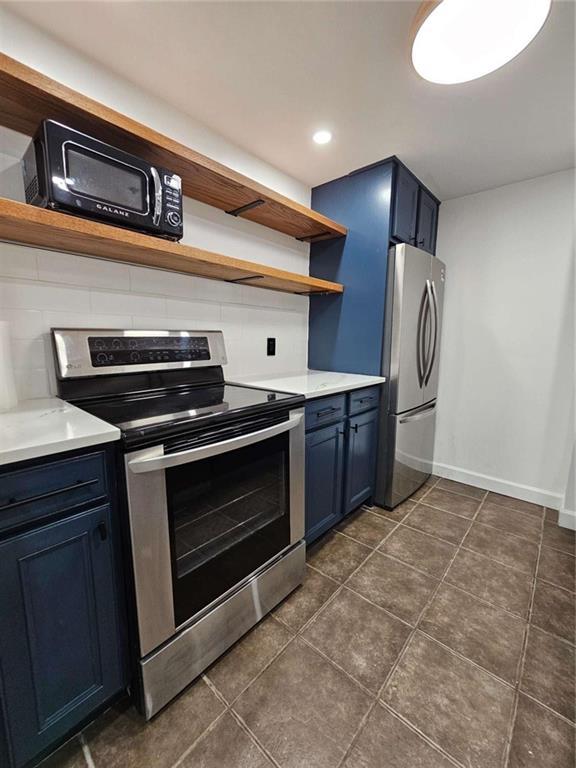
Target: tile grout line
403	651
522	662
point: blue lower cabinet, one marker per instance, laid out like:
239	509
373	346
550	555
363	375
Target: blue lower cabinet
340	458
61	639
360	459
324	479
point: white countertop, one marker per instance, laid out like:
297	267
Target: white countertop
36	428
313	383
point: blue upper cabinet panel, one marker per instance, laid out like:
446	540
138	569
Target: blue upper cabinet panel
346	330
405	207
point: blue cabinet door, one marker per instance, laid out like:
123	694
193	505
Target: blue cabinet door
324	479
427	222
61	653
405	207
360	459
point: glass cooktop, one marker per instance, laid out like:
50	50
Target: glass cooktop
147	410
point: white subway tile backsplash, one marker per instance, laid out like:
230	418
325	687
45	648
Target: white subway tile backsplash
18	294
40	290
16	261
24	323
105	303
73	270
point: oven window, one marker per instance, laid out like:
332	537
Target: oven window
103	178
228	515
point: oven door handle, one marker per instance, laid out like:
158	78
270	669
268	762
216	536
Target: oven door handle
155	463
157	196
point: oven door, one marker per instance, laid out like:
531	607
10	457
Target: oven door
207	513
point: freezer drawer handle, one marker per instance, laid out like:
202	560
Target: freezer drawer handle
154	463
417	416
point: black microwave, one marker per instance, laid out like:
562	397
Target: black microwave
71	172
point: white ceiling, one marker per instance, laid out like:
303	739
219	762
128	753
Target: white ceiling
266	75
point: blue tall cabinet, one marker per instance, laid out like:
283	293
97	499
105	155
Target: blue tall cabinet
381	205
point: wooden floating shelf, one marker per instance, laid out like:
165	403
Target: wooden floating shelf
28	96
28	225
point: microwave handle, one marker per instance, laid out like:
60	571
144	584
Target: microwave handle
154	463
157	196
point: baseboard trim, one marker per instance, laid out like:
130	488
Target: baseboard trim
498	485
567	518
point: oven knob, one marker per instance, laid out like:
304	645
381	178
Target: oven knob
135	357
101	358
173	218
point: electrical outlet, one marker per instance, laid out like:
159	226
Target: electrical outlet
271	347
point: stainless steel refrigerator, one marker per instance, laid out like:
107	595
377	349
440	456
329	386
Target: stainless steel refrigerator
415	294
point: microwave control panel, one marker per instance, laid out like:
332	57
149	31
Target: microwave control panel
172	207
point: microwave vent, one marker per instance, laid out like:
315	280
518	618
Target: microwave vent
31	190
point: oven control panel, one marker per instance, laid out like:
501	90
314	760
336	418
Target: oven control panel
84	352
135	350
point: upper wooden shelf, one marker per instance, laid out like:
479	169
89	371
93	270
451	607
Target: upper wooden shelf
28	96
28	225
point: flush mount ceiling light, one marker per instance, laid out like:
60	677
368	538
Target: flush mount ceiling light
322	137
455	41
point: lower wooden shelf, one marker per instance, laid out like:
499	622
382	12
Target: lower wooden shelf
28	225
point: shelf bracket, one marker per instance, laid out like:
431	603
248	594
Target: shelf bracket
313	238
244	208
243	279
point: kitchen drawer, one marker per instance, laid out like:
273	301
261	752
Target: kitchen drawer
42	491
363	400
326	410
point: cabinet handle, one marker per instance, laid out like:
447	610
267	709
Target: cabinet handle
30	499
354	427
103	531
421	242
365	399
326	411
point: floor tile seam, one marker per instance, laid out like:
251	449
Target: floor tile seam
512	724
520	511
463	657
375	701
408	565
274	657
204	733
425	737
555	549
510	533
400	655
424	533
337	666
559	638
486	602
532	575
461	493
231	703
250	733
381	608
550	709
558	586
447	511
450	512
406	524
357	541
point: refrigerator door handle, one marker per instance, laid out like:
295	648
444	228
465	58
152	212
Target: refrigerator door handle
418	415
420	341
431	293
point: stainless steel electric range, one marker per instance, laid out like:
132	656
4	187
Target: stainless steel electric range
214	477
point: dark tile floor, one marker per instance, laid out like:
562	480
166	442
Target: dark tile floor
440	634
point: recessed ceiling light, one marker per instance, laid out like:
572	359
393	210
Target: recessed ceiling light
322	137
461	40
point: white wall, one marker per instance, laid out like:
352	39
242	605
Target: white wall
506	398
40	289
